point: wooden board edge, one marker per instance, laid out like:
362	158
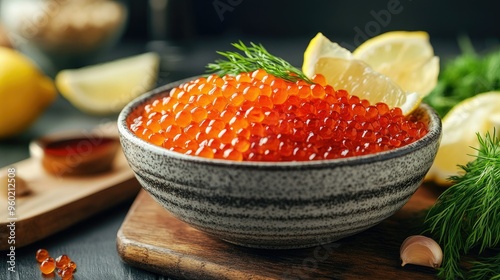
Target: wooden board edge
30	230
127	248
154	259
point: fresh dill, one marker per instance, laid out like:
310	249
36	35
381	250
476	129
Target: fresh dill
466	216
255	57
465	76
486	268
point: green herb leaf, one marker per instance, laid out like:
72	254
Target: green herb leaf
465	76
487	268
467	214
255	57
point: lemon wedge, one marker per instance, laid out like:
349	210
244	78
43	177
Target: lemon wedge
344	71
478	114
405	57
320	47
25	92
106	88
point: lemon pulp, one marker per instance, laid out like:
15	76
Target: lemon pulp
349	71
106	88
478	114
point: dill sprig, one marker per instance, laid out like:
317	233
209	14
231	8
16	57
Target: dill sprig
487	268
465	76
466	216
255	57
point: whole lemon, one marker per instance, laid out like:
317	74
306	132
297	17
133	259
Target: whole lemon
25	92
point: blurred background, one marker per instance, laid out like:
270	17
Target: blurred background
190	18
347	22
64	34
189	23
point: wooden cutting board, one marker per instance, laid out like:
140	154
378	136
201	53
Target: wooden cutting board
56	202
152	239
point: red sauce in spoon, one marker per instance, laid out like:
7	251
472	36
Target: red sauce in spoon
77	146
79	155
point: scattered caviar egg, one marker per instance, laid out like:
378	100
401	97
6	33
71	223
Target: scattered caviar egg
63	265
72	265
67	274
48	265
62	261
41	255
67	271
260	117
69	267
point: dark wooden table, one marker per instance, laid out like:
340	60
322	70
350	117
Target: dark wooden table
92	243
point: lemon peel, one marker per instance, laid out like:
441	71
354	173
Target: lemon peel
106	88
342	70
478	114
24	90
407	57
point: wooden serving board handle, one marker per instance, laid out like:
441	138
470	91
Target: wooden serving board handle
152	239
56	202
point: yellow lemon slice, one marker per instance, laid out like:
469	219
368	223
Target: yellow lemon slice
405	57
25	92
106	88
478	114
320	47
343	71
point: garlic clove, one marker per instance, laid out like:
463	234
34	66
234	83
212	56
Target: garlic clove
421	250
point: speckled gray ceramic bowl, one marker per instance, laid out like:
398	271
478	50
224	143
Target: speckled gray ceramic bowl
280	204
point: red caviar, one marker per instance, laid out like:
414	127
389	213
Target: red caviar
259	117
48	265
41	255
63	265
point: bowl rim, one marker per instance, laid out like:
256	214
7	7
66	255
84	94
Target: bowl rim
434	134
